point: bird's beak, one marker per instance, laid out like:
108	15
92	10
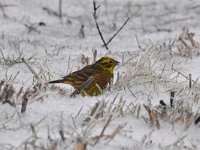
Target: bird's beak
116	62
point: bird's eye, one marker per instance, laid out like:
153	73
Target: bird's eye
110	62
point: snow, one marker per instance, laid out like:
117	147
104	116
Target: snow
150	69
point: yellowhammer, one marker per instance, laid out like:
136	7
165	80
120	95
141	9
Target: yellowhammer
92	79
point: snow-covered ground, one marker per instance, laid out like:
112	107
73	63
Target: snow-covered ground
158	48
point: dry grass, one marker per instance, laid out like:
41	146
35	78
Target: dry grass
151	69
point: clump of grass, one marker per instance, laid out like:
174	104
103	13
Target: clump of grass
77	136
14	59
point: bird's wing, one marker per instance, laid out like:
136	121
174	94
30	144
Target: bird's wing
101	79
83	86
78	77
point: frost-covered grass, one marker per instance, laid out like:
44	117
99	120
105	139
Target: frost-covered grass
153	102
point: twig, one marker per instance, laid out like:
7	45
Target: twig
179	140
40	121
190	36
85	60
103	130
185	76
163	70
1	84
94	51
32	71
95	111
3	10
60	9
115	131
79	112
190	81
138	111
162	29
82	32
19	93
139	46
4	92
50	11
15	76
31	28
111	104
97	26
197	120
117	31
24	104
9	93
172	98
145	137
33	130
163	104
184	43
150	114
62	135
131	91
156	120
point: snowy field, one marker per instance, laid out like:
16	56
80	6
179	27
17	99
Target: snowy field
155	97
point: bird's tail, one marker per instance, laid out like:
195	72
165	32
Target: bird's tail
57	81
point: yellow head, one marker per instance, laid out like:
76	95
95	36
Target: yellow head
107	64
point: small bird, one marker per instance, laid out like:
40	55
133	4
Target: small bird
91	79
